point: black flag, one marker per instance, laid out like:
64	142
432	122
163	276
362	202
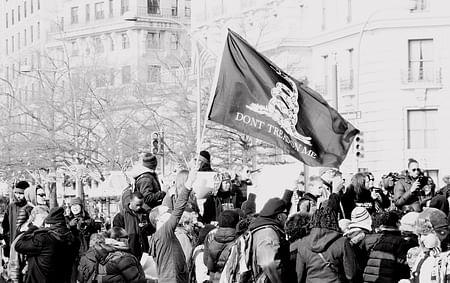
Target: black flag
257	98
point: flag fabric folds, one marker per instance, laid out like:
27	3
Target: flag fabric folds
255	97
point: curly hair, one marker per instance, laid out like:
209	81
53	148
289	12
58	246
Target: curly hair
325	217
297	226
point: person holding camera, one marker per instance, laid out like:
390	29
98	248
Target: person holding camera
431	199
408	187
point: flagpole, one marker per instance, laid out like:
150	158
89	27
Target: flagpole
199	134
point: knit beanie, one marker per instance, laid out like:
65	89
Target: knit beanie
205	156
431	219
408	221
56	216
149	160
360	218
76	201
249	206
21	186
325	217
228	219
273	207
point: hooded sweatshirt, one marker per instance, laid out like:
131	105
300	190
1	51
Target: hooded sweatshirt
341	263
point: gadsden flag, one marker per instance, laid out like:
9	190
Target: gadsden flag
257	98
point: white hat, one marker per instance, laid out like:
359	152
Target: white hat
361	219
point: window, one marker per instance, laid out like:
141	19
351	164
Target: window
38	4
126	74
422	128
88	13
100	80
25	37
154	74
25	9
419	5
74	15
112	76
12	17
99	45
125	41
153	6
75	49
31	33
31	6
6	46
350	64
7	73
111	42
38	30
18	41
174	8
349	11
18	13
187	8
12	43
174	41
111	8
124	6
420	65
99	14
6	16
152	41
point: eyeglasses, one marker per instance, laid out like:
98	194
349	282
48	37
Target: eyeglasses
41	195
415	169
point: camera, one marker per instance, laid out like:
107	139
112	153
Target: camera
423	181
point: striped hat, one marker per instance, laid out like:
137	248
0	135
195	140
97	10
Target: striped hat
361	219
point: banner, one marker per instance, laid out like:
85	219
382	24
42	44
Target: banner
257	98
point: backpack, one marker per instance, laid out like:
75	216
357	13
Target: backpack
125	197
241	262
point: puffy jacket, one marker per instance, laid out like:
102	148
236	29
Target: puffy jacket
51	253
121	266
87	265
148	184
404	199
217	251
335	249
387	257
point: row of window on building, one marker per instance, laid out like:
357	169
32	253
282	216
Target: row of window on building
11	17
28	36
153	40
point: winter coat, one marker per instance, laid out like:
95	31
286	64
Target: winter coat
10	220
213	205
138	227
387	257
82	230
51	253
16	263
335	249
270	250
350	200
166	249
404	199
217	251
146	182
87	266
120	265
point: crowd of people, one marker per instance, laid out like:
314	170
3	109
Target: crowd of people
325	231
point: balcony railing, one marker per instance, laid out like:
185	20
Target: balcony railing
159	12
422	75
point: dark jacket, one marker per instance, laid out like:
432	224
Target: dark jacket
121	266
82	230
146	182
166	249
51	253
138	228
10	220
387	257
213	205
87	266
335	249
217	251
350	200
404	199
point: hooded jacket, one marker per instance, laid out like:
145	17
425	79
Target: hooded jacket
121	266
336	250
51	253
138	227
217	251
146	182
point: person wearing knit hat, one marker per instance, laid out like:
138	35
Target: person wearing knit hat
11	214
408	222
249	206
50	251
324	254
204	159
360	225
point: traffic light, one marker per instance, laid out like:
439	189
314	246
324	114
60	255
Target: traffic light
155	142
359	147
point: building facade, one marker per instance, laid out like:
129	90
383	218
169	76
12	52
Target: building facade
392	67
